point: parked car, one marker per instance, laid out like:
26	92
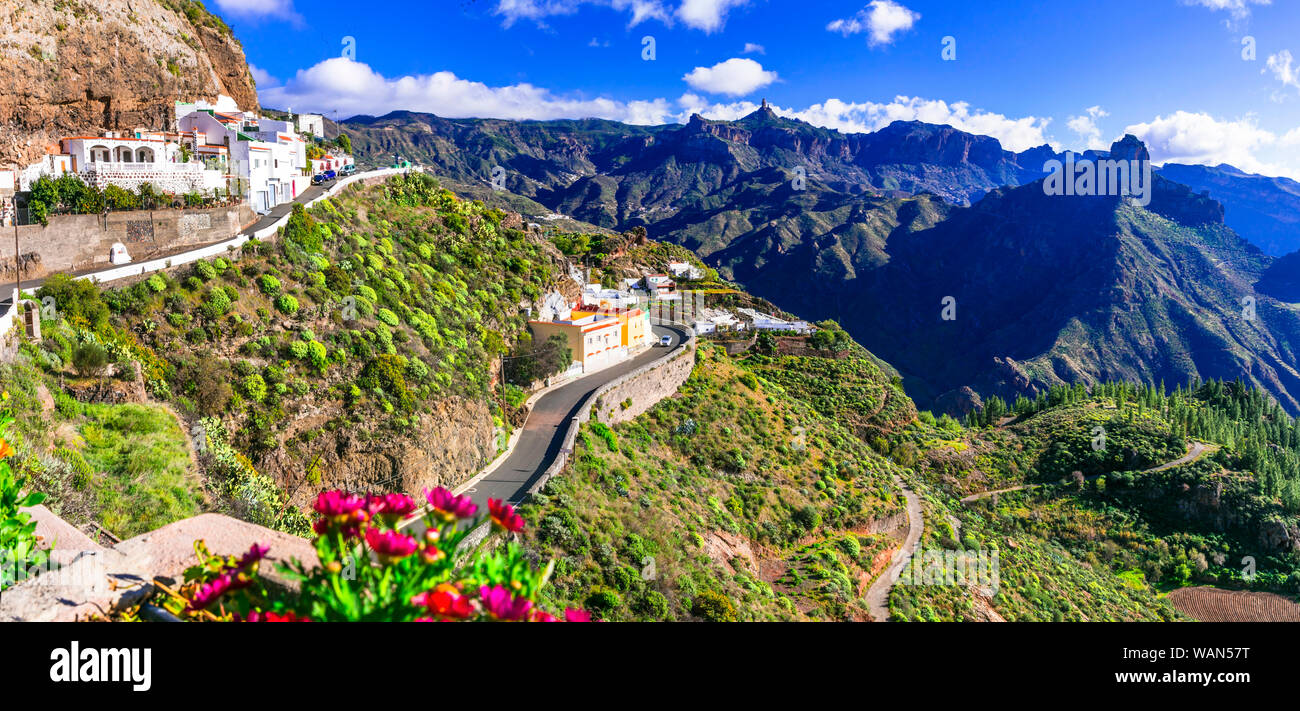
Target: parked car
665	340
325	177
349	169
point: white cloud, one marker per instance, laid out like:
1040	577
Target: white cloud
707	15
262	77
751	48
881	19
1283	70
1238	9
537	10
254	9
696	104
1085	126
734	77
350	88
1184	137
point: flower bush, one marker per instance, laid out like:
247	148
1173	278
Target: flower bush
378	564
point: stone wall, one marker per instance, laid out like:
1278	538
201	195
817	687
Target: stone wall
75	243
628	397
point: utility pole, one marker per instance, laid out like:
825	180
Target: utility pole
18	274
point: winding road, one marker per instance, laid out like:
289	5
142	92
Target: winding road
1194	451
878	593
542	438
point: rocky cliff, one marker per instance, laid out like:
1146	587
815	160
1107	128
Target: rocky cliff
75	67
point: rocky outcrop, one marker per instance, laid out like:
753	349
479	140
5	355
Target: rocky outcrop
81	67
447	446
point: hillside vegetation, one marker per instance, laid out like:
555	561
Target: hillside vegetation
735	500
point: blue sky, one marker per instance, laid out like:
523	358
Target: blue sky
1074	74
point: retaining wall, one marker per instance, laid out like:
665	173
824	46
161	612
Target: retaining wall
646	385
77	243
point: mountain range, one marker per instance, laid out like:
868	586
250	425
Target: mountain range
876	229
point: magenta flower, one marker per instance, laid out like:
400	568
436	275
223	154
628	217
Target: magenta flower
504	516
449	507
338	503
254	555
390	506
576	615
390	546
209	592
500	604
341	511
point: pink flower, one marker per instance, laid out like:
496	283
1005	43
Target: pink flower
254	555
540	615
576	615
501	605
259	616
504	516
390	506
342	511
209	592
449	507
338	503
390	545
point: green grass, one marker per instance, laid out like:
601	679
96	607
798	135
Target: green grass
144	479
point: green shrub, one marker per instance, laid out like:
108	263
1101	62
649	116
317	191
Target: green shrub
255	387
156	283
269	285
714	607
652	605
90	359
286	304
205	270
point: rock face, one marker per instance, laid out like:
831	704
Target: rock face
448	446
81	67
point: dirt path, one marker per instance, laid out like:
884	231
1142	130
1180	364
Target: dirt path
878	593
1195	451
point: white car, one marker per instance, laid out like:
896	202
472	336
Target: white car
665	340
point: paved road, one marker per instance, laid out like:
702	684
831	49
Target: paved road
543	435
1194	451
878	593
311	193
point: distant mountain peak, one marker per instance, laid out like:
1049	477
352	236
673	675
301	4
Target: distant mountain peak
1129	147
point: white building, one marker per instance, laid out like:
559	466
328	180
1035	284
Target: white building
768	322
713	320
330	162
312	123
131	161
683	270
596	296
267	158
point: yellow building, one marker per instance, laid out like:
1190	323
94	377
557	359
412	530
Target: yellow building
634	325
595	340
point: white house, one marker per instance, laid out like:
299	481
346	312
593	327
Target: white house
596	296
131	161
712	320
312	123
683	270
767	322
267	159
